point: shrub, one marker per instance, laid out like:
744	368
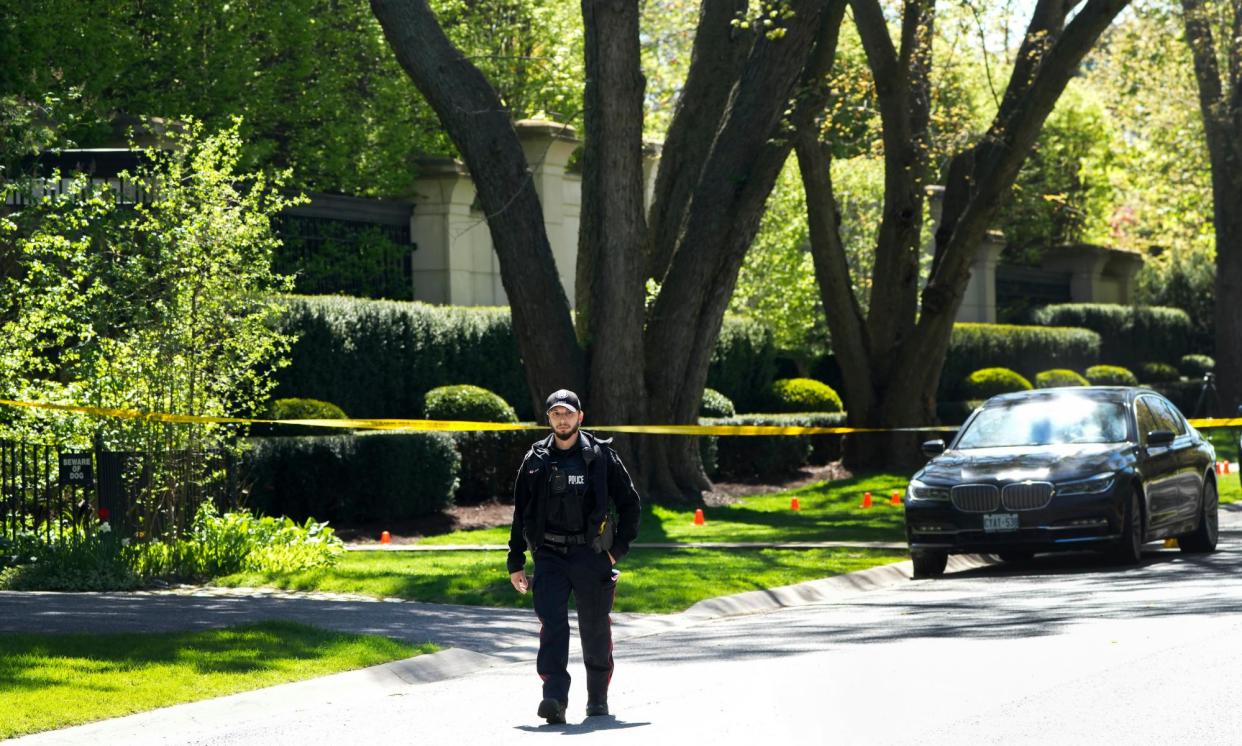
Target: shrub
716	404
1110	375
300	409
489	460
466	402
1058	377
379	358
306	409
743	362
1129	334
1024	349
216	545
1195	366
354	478
791	395
765	457
989	382
1158	373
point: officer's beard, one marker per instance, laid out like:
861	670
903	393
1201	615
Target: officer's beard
569	435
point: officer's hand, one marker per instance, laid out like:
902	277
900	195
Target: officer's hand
520	583
611	558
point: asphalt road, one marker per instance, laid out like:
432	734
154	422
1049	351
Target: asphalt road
1064	650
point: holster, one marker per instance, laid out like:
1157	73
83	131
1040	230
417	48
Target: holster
602	541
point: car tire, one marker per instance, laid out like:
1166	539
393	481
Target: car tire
1203	538
929	564
1129	547
1016	557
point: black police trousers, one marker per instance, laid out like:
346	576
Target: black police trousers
593	582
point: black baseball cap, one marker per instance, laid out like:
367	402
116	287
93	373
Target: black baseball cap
564	398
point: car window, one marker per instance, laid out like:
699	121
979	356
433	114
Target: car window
1166	418
1144	417
1046	421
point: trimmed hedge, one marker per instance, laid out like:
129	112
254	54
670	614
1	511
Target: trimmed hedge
1059	377
1110	375
1130	335
1158	373
763	457
379	358
797	395
1023	349
353	478
1195	366
489	460
743	363
300	409
466	402
716	404
989	382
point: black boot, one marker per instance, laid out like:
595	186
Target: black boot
552	710
597	707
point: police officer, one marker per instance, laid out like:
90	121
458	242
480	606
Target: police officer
576	509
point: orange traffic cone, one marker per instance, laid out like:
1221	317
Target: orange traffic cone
698	517
385	537
793	504
866	503
1219	468
896	498
1226	466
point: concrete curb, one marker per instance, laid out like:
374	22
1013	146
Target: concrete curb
641	545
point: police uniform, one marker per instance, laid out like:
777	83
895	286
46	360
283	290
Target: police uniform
572	507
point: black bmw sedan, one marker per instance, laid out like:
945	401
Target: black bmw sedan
1107	468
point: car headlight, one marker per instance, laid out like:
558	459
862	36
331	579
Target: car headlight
920	491
1090	486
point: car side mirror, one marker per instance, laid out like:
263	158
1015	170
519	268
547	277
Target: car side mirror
1159	438
933	448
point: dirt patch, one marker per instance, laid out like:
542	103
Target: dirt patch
725	493
495	513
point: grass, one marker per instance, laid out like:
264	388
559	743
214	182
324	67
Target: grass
1225	440
829	512
50	681
652	580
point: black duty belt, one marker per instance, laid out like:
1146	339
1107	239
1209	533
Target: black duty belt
566	540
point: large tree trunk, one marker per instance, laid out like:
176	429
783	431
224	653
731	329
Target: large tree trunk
721	223
611	306
1220	102
891	364
482	129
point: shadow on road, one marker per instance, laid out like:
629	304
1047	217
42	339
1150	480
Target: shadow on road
590	725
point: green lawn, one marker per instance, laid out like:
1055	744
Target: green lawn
1225	440
52	681
829	512
652	580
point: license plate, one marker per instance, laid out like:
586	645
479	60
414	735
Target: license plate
997	522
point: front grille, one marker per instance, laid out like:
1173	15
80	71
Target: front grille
976	498
1027	495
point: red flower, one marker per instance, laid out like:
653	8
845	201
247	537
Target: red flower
103	514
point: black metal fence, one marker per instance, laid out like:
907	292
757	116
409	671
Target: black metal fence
57	495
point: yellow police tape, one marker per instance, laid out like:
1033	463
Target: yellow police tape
469	426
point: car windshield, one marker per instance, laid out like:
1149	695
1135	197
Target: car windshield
1042	422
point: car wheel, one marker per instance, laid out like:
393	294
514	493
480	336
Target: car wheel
1203	538
1129	548
1016	556
929	564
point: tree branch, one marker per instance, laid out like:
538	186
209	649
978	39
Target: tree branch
719	53
482	130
